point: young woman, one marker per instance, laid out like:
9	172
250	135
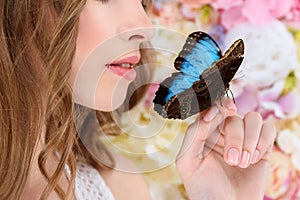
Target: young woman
44	47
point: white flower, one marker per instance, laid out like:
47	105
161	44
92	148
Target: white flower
270	52
288	141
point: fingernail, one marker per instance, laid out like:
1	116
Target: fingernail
255	156
211	114
245	159
233	156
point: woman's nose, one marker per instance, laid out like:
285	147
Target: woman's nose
137	34
137	28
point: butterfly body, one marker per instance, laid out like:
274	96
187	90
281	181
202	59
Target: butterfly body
203	77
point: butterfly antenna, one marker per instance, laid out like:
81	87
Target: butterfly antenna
240	75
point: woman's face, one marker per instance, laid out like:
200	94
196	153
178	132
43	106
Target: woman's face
107	51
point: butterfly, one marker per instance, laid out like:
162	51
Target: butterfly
203	77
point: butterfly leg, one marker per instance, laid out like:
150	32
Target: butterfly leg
221	103
231	94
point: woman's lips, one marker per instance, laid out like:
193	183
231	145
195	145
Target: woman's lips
124	67
127	73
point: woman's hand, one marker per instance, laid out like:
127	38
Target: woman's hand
225	156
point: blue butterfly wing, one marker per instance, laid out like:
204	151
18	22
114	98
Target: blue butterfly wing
199	52
180	82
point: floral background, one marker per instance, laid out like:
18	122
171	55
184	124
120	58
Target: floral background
267	82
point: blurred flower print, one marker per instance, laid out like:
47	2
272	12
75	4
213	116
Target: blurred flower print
267	82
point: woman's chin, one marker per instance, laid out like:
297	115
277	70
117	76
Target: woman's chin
108	97
107	108
105	105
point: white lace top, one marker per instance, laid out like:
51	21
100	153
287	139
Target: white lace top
89	185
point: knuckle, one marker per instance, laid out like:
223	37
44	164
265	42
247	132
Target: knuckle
251	141
232	123
235	139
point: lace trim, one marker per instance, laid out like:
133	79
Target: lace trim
89	185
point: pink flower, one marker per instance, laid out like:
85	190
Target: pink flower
196	2
226	4
247	100
150	95
267	101
283	180
293	17
265	11
191	9
167	12
257	12
282	106
232	17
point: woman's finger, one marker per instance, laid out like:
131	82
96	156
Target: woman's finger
233	131
266	141
231	108
205	131
252	130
